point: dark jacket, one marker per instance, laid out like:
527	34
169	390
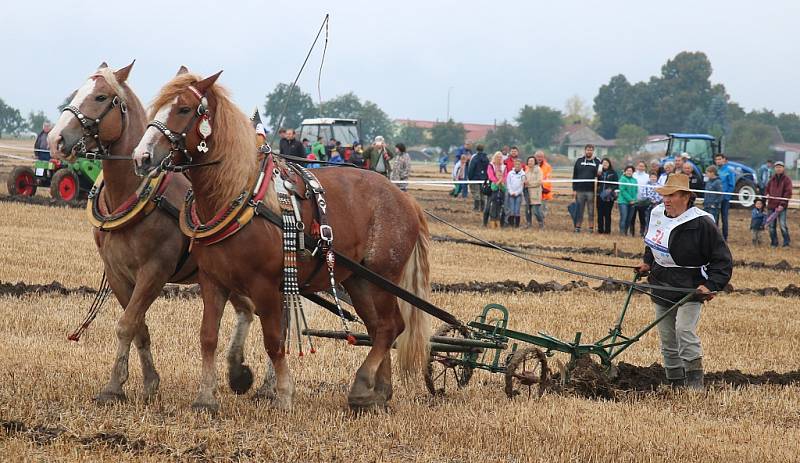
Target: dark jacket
779	186
476	170
605	191
695	243
696	182
713	199
293	148
41	147
585	169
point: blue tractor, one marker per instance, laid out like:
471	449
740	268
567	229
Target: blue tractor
701	149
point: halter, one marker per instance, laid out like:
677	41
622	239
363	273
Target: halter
91	130
177	140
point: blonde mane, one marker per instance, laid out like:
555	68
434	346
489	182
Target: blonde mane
232	140
120	89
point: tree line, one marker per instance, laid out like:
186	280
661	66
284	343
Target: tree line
13	124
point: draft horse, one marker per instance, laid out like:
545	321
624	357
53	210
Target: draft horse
136	231
197	125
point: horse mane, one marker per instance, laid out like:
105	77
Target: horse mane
232	141
124	92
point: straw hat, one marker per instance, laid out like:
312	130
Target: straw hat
675	182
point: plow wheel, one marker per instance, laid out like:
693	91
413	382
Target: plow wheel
449	369
21	182
64	186
527	373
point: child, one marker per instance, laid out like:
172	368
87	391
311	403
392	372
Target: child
651	195
515	184
712	201
758	219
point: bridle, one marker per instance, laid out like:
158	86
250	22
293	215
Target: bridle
177	140
91	131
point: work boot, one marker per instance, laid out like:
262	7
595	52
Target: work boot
676	377
694	375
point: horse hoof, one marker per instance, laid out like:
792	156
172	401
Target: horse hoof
110	398
204	407
240	379
366	404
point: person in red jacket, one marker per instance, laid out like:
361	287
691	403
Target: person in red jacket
779	189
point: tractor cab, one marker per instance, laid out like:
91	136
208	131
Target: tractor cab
701	149
345	131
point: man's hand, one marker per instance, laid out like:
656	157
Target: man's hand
643	269
704	293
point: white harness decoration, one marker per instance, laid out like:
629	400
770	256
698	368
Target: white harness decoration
660	229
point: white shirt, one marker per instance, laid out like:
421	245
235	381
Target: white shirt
641	179
515	182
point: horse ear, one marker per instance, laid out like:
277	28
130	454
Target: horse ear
122	74
206	83
182	70
103	65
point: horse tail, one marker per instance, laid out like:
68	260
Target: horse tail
413	343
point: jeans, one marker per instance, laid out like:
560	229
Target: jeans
538	212
584	200
604	209
677	333
640	211
514	204
773	231
714	211
724	208
626	212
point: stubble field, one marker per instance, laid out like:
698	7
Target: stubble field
47	383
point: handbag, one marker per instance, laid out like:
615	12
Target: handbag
486	187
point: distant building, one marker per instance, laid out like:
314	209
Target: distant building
474	132
573	138
789	153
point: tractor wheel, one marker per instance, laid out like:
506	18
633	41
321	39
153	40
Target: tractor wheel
745	193
21	182
527	370
64	186
449	369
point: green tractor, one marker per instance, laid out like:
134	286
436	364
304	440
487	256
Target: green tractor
68	181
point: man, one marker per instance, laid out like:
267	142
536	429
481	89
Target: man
283	143
695	179
318	149
466	149
41	149
547	185
679	162
306	146
511	159
586	168
779	186
505	150
377	157
460	174
683	249
763	175
728	178
293	146
476	171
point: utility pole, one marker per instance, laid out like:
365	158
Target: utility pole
448	103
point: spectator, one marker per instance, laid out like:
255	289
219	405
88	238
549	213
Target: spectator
547	185
494	206
515	185
331	147
758	218
476	171
402	166
306	146
312	165
656	166
712	201
283	143
505	150
293	146
512	157
695	179
778	192
653	198
377	157
763	175
679	162
643	204
318	149
606	196
467	148
586	168
728	178
626	200
460	175
669	168
336	158
443	159
41	148
357	156
533	193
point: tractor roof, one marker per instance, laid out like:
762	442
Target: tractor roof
328	120
696	136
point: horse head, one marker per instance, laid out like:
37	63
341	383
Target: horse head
95	116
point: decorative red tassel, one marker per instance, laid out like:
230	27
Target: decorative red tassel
351	339
74	337
313	351
300	354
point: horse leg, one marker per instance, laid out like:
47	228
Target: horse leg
214	298
240	377
370	388
278	383
130	328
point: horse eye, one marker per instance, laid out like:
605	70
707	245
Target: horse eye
185	110
100	98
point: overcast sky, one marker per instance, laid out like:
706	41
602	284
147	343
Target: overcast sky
494	56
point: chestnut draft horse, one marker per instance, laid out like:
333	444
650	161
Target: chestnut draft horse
375	224
144	250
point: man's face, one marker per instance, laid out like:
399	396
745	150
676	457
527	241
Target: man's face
290	134
589	151
468	146
540	157
517	165
674	203
687	169
678	164
720	161
779	169
640	167
46	127
514	152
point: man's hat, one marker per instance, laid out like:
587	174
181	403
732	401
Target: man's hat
779	163
675	182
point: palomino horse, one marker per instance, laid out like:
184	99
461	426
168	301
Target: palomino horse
375	224
146	251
